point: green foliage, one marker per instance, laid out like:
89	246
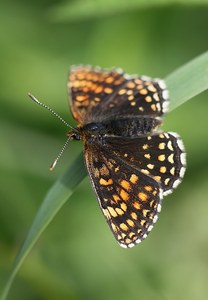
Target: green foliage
85	9
194	74
77	257
188	81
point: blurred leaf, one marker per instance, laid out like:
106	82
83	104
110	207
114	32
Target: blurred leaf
83	9
186	82
54	200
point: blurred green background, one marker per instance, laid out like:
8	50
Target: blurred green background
77	256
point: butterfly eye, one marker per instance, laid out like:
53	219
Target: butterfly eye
94	128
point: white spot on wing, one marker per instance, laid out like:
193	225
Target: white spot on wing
165	106
182	172
161	84
180	144
179	141
150	228
161	194
127	76
183	158
155	218
176	183
174	134
159	208
168	192
165	94
123	246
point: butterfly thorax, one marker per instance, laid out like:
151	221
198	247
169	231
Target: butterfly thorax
125	127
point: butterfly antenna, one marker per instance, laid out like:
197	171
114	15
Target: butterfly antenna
48	108
59	155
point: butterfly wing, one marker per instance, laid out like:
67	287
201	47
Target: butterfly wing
96	93
161	156
129	199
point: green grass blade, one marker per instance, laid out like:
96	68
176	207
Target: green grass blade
54	200
85	9
188	81
185	83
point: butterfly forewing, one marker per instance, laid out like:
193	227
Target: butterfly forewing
129	200
97	94
90	88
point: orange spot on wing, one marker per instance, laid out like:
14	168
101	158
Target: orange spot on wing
161	157
124	195
145	146
99	89
119	211
122	92
157	178
123	227
145	211
153	107
134	178
148	188
112	212
109	79
142	196
116	169
116	197
128	241
107	214
130	222
137	205
134	215
151	88
148	99
130	98
161	146
143	92
126	185
108	90
142	222
130	85
123	206
114	227
106	182
163	169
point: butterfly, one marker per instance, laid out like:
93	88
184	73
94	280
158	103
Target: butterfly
131	164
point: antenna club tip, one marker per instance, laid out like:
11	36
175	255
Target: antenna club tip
53	165
33	98
30	95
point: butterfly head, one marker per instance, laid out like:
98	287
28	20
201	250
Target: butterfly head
74	134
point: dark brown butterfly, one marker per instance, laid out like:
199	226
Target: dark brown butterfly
131	165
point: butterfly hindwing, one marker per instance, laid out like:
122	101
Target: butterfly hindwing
159	155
